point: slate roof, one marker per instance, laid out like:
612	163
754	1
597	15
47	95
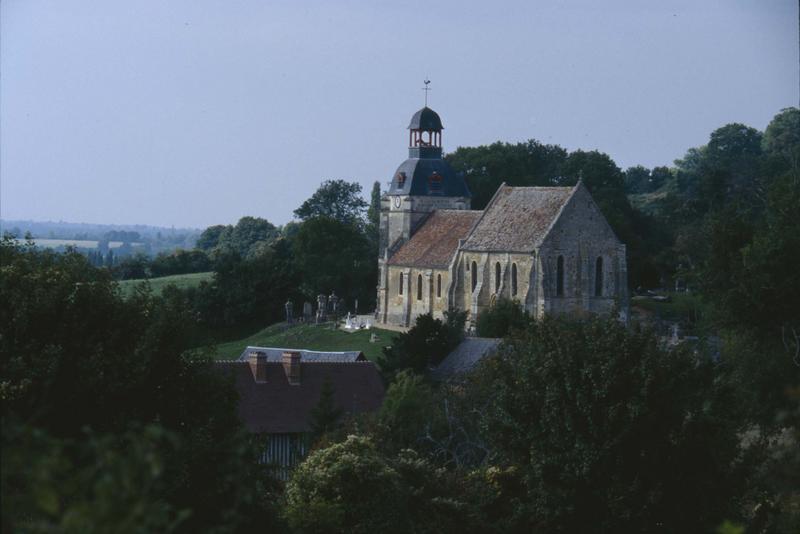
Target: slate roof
435	243
425	119
275	355
464	357
517	218
276	407
417	173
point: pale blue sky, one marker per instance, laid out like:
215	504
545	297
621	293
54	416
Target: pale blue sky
194	112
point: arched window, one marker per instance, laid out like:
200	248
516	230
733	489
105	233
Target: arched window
497	277
560	276
419	287
400	287
598	277
438	285
513	279
474	275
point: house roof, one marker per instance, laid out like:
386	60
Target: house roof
277	407
275	354
464	357
435	243
517	218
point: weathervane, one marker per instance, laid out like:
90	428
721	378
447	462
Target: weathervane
426	89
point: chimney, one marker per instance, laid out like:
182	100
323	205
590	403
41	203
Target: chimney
258	366
291	366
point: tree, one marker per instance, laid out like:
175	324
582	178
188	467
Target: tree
353	487
325	415
504	317
424	345
335	199
609	432
210	237
374	215
335	256
74	355
407	412
521	164
782	140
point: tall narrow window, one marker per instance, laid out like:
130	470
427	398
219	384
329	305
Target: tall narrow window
438	285
497	277
598	277
400	287
560	276
513	279
419	287
474	275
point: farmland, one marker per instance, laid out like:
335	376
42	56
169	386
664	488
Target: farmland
157	285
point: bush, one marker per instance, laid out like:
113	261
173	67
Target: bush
505	316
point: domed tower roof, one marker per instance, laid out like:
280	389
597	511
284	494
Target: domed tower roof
425	173
426	119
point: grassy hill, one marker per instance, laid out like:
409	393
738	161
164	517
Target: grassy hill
309	337
158	284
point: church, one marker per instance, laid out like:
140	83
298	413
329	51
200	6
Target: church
549	249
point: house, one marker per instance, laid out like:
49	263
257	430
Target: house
276	355
548	248
276	397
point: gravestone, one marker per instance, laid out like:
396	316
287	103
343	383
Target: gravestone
289	312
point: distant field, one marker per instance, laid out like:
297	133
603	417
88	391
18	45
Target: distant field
158	284
77	243
309	337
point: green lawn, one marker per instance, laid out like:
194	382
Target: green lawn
158	284
309	337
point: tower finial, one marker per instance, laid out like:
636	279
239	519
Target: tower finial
426	89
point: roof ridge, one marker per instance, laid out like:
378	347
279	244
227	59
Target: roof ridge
303	350
483	213
560	211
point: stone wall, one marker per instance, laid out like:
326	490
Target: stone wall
403	309
580	236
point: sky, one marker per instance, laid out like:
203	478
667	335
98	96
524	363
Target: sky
197	112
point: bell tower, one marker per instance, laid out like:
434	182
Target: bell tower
423	183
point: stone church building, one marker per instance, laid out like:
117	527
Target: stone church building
548	248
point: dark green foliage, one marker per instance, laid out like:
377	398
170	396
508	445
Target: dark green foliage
90	484
534	164
504	317
335	199
245	291
424	345
324	416
210	237
609	432
486	167
78	359
407	413
331	255
248	238
131	268
354	487
180	262
639	179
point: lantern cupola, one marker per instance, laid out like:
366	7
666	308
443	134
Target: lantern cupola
425	134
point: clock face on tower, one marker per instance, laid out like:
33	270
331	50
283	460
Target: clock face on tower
396	202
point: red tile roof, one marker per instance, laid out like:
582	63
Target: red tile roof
435	243
276	407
